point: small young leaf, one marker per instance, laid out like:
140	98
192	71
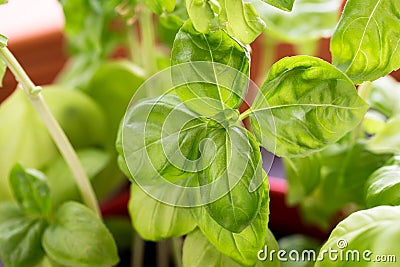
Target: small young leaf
30	190
365	44
387	140
243	246
203	14
20	237
160	6
208	89
383	186
79	238
234	172
286	5
154	220
372	233
304	105
3	39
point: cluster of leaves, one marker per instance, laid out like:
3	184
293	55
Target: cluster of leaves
303	111
32	233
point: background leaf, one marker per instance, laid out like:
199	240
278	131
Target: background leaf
233	171
365	44
304	105
383	186
376	230
20	236
154	220
309	20
385	96
160	6
387	140
30	190
77	227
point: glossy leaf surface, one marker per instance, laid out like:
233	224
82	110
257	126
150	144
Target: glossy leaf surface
365	44
304	105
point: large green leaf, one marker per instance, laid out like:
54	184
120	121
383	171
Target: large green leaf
242	247
383	186
234	172
309	20
154	220
369	235
304	105
286	5
30	190
199	252
20	237
77	237
209	88
160	140
365	44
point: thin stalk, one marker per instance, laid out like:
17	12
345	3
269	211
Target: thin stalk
177	250
133	44
137	251
245	114
364	90
149	59
162	253
268	58
60	139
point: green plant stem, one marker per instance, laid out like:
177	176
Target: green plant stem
137	251
364	90
162	253
34	95
177	250
147	41
245	114
133	44
268	58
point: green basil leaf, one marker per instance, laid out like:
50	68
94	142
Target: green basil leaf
209	88
20	237
286	5
3	2
385	96
241	20
61	180
365	235
3	39
160	140
309	20
78	238
160	6
383	186
387	140
304	105
164	221
303	245
365	44
3	68
30	190
234	172
199	252
203	14
244	246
